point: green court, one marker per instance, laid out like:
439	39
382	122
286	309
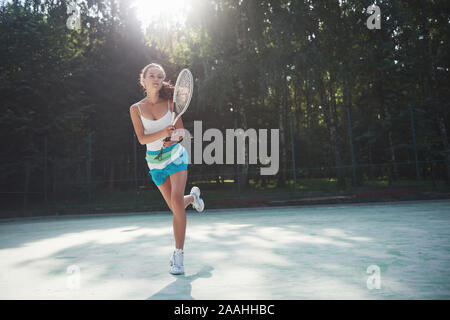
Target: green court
308	252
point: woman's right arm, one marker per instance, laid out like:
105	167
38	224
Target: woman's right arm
139	129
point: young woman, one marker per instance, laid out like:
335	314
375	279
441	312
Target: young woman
151	119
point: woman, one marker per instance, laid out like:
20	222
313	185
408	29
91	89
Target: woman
151	119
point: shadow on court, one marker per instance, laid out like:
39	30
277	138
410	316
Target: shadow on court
319	252
181	288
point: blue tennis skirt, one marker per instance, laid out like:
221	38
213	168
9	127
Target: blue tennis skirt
173	159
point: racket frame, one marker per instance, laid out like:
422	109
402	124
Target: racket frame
177	85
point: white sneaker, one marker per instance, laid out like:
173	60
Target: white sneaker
198	203
176	263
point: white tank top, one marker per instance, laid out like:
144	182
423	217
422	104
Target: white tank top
152	126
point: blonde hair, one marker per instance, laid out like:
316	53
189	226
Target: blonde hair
166	91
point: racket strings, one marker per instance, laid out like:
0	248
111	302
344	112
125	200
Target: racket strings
183	93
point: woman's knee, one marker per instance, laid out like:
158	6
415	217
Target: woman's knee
177	200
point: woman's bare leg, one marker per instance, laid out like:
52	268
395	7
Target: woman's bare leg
166	191
188	200
178	184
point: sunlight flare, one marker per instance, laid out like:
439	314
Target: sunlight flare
173	12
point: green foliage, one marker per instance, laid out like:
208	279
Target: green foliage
308	60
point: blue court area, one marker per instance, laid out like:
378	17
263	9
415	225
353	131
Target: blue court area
320	252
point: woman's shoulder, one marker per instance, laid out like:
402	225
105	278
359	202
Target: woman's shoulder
134	108
136	104
166	102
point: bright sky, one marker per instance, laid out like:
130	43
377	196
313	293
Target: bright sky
173	11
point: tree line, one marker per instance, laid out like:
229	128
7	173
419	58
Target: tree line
352	94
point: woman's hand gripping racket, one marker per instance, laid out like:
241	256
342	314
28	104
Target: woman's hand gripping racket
181	98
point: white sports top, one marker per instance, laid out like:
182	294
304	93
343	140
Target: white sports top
152	126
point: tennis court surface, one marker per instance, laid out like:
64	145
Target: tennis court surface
314	252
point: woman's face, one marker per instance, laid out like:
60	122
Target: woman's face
154	79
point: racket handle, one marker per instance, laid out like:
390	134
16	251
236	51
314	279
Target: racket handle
176	141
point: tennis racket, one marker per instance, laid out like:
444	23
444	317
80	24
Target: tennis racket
181	98
182	95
